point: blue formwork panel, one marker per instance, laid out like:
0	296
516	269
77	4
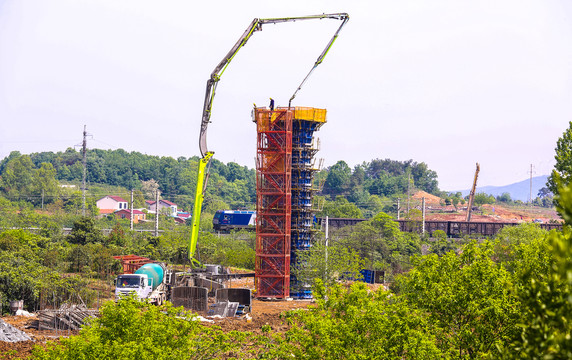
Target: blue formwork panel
302	202
301	294
299	289
372	276
368	276
301	245
302	197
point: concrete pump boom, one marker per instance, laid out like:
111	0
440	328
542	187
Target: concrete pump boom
212	82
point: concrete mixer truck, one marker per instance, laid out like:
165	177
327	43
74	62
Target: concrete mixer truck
148	282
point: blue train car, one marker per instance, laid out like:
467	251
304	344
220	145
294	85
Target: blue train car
226	220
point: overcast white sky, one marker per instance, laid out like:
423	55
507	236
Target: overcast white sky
449	83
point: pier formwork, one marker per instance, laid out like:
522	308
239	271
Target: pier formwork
304	148
285	168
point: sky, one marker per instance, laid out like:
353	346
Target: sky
448	83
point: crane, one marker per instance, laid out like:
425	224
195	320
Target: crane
212	82
472	194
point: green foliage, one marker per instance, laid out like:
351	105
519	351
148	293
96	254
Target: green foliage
133	170
358	324
482	198
170	246
388	177
441	244
366	188
73	204
341	208
132	329
545	198
29	271
84	232
338	178
18	177
79	257
562	173
236	249
505	198
382	245
545	276
523	233
373	205
468	296
328	264
117	236
382	178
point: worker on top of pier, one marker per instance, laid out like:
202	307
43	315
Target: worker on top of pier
271	104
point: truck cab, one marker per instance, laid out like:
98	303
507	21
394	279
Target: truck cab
138	284
151	282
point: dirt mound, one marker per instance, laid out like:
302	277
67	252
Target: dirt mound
429	199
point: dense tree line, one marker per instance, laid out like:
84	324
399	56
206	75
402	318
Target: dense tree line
366	190
22	176
372	186
379	177
562	172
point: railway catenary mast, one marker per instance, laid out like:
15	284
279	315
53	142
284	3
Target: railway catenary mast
212	83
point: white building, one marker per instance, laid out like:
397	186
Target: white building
111	203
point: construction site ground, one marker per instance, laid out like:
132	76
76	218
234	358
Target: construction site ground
497	213
262	313
437	210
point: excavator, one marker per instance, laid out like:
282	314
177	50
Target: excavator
212	82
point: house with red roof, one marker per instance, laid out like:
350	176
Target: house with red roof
110	202
163	204
182	217
138	215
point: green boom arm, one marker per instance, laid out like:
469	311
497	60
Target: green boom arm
212	82
199	197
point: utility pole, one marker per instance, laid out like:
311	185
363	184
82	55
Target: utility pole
408	193
131	221
327	238
84	153
530	198
157	213
398	208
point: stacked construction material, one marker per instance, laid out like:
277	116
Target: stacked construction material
67	317
191	297
9	333
304	148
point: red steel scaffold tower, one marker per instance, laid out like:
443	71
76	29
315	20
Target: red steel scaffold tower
284	208
273	205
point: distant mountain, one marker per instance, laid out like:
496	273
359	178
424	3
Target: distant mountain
517	191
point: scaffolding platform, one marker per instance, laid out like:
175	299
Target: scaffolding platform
285	168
